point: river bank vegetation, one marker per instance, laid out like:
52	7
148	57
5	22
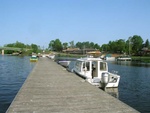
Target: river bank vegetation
134	46
25	48
144	59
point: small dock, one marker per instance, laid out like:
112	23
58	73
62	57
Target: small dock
49	88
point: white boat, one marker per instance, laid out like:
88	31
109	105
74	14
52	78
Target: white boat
110	58
64	63
43	56
51	56
33	58
124	58
95	71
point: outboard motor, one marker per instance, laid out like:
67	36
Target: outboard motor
105	79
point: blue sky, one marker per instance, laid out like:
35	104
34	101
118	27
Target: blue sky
98	21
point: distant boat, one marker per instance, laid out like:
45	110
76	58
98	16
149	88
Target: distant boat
33	58
110	58
43	56
51	56
124	58
95	71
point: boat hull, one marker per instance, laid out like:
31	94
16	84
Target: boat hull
112	83
33	60
64	63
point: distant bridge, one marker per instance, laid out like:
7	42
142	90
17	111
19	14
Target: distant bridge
10	48
13	48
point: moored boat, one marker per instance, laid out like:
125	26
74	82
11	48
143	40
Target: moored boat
64	63
51	56
95	71
124	58
33	58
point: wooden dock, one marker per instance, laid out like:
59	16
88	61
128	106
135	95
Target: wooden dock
51	89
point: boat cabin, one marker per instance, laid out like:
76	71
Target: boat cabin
95	71
91	67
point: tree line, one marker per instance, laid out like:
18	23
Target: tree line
33	48
132	46
57	45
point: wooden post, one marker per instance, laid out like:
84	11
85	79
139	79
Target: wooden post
2	52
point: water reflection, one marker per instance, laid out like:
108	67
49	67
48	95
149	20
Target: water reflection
131	63
134	84
127	63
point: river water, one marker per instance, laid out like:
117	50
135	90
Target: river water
134	87
13	72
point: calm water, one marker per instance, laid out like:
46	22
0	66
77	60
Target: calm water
134	87
13	72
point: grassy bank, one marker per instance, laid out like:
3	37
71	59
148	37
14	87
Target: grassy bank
63	56
141	59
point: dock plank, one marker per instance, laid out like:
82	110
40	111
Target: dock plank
49	88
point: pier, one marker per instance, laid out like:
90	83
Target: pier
49	88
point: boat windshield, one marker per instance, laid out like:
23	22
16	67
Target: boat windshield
103	66
87	65
78	65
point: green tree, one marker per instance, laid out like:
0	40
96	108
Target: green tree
65	45
128	46
96	46
51	45
19	45
58	46
117	46
9	45
111	47
92	45
87	44
72	45
136	42
55	45
15	45
120	45
79	45
35	48
147	44
104	47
